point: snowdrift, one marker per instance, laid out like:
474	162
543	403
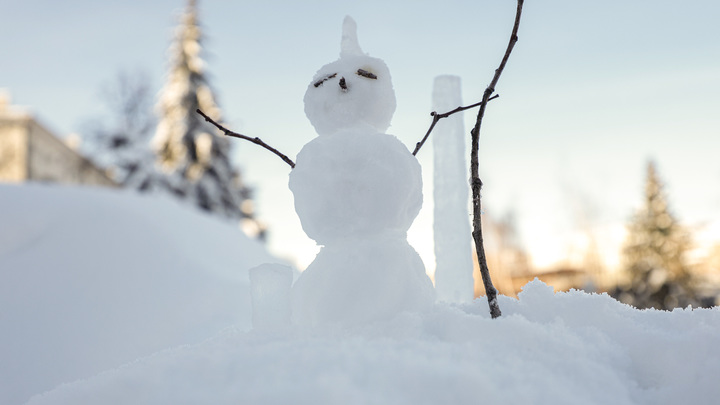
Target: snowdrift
91	279
565	348
143	301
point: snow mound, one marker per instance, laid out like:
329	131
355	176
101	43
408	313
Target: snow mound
362	280
564	348
91	279
355	183
355	90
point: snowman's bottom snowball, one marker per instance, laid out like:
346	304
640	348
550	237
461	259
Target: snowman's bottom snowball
358	281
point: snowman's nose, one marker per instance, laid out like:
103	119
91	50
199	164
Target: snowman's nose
342	84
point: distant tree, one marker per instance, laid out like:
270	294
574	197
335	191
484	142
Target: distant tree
193	161
713	261
120	141
655	254
712	277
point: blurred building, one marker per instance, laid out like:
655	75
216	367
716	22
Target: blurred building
30	152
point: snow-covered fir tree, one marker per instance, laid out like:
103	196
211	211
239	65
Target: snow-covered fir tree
655	254
193	160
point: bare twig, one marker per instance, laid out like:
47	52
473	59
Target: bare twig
437	117
475	182
255	140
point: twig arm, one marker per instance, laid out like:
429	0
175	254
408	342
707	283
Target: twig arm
475	182
437	117
255	140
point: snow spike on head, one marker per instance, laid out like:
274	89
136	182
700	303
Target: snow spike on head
349	45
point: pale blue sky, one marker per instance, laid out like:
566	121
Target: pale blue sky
592	91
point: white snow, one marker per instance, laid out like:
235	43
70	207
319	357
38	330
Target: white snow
94	278
355	183
451	190
359	280
84	289
357	191
270	291
364	101
565	348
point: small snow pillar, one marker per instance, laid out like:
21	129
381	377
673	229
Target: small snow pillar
453	250
270	289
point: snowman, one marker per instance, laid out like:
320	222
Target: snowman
357	190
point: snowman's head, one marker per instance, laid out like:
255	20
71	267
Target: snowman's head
355	91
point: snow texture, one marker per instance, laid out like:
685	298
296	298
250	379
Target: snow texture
360	280
355	183
357	191
94	278
130	297
564	348
451	226
271	295
365	102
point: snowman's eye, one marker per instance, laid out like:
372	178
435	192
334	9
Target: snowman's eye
321	81
365	73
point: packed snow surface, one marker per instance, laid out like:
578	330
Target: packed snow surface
361	280
270	292
355	183
564	348
357	190
74	305
451	197
355	90
94	278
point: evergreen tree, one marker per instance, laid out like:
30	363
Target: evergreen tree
193	160
655	254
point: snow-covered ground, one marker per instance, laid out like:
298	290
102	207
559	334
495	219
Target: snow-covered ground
91	279
131	298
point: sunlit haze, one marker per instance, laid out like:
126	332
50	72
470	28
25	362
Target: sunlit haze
592	91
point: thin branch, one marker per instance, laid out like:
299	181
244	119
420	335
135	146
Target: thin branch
437	117
475	182
255	140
